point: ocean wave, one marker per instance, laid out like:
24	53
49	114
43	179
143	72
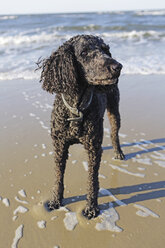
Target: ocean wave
8	17
18	39
150	12
133	66
144	65
77	28
111	12
27	39
91	27
24	74
136	35
73	15
44	37
143	70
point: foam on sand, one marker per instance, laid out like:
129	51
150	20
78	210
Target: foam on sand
108	193
138	146
108	221
63	209
146	161
122	135
54	218
20	201
160	163
102	176
43	125
144	212
14	218
6	202
18	236
141	168
106	130
20	209
41	224
43	146
22	193
70	221
158	155
85	164
115	167
32	115
74	161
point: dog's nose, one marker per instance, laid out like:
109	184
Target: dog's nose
116	67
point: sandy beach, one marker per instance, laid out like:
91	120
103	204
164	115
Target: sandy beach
132	192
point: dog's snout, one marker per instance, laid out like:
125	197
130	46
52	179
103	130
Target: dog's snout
116	67
112	65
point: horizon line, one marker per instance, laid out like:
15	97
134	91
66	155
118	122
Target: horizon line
81	12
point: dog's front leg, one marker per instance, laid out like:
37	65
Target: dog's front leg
60	157
92	209
114	119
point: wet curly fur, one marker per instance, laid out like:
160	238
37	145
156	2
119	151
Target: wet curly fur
80	66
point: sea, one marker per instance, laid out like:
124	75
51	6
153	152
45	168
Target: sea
136	39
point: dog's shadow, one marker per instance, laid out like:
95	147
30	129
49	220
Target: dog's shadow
154	190
145	151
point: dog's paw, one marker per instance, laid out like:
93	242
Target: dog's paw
91	212
119	155
52	205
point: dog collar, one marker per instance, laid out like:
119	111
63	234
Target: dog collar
86	101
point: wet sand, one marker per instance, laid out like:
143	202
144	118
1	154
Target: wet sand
132	192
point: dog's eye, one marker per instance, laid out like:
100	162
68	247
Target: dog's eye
84	53
106	48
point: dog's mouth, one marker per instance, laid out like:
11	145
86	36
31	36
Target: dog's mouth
106	81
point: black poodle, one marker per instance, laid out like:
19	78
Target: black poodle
84	77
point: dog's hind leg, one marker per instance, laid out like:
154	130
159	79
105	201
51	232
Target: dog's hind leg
60	157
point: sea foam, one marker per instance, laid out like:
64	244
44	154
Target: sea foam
108	218
123	170
20	209
6	202
144	212
18	236
70	221
41	224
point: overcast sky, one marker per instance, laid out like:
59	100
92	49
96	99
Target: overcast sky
61	6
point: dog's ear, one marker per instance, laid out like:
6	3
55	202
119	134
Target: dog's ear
59	71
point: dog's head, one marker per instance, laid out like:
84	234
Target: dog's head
82	59
96	60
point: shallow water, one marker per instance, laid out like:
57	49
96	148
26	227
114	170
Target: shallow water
136	38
